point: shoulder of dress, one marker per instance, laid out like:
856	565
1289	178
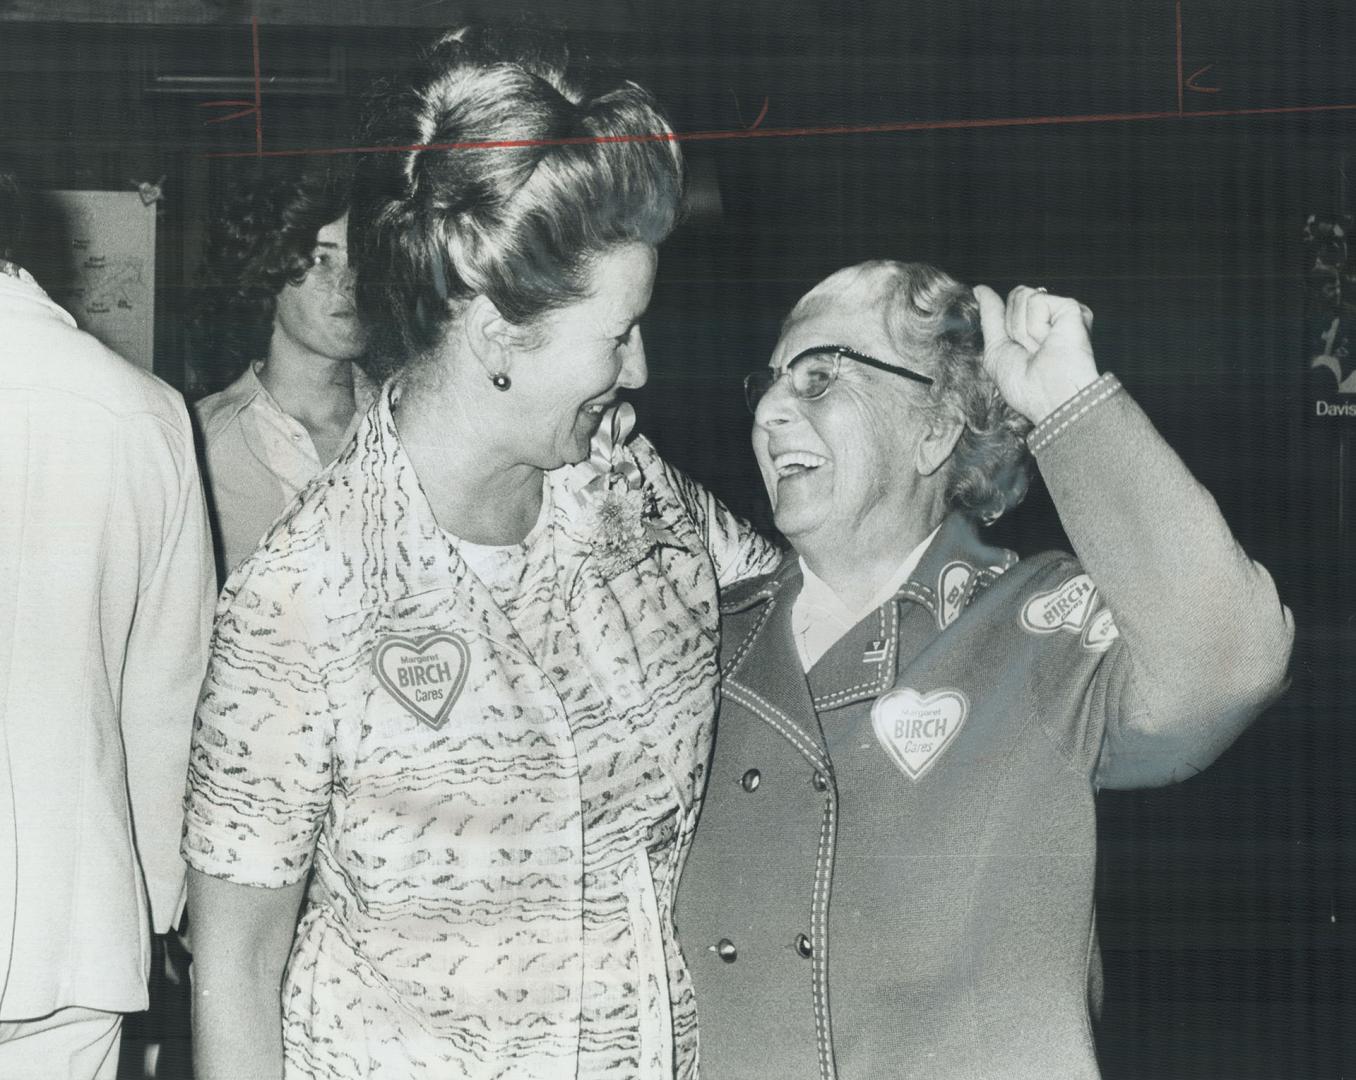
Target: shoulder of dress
323	520
643	451
657	472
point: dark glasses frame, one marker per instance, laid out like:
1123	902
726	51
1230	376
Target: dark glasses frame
757	383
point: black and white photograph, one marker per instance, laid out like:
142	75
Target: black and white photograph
579	539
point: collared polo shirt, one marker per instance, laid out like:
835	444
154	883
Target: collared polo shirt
257	458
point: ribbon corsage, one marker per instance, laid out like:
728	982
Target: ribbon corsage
622	526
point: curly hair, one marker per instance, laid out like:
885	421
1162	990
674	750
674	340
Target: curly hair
262	239
933	320
579	165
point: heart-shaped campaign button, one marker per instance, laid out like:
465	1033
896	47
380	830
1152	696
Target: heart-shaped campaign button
1101	631
951	586
425	676
1065	608
915	728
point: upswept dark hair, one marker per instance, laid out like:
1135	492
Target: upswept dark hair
933	322
261	240
434	225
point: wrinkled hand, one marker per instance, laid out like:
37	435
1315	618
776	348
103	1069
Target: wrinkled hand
1036	348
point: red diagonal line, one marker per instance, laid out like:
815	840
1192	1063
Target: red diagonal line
803	132
1191	81
761	114
233	116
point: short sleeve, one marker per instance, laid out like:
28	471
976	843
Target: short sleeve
260	768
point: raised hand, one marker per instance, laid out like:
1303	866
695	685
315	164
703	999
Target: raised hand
1036	348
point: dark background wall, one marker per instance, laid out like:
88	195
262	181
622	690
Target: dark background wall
1226	904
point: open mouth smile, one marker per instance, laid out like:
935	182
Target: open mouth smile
796	462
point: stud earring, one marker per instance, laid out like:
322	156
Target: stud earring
501	381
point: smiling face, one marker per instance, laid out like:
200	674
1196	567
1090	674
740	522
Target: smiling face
842	470
317	315
581	356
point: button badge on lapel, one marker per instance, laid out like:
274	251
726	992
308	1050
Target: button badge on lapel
914	729
1101	631
426	676
952	584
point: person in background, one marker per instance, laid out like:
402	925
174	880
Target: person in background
893	869
278	307
106	596
460	700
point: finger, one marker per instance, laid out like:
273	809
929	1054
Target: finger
1022	302
991	318
1011	313
1060	308
1086	312
1042	310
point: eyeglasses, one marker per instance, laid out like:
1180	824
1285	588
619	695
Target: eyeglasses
814	370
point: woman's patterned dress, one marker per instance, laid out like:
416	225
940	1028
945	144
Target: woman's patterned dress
492	782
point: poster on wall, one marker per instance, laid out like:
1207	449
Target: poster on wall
1330	304
101	266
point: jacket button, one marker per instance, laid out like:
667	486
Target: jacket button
804	947
750	780
726	950
820	782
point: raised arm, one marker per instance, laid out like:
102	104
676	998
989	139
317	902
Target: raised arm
1203	640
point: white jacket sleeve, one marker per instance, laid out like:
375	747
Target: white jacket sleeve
163	525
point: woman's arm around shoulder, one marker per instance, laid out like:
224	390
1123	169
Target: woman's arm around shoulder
737	549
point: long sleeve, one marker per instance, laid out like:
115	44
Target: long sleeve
105	599
1203	639
167	647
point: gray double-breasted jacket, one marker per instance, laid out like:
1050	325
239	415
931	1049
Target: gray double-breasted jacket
892	874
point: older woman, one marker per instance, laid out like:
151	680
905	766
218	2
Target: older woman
465	687
894	868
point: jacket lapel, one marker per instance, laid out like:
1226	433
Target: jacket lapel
867	661
763	672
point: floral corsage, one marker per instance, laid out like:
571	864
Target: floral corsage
624	526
